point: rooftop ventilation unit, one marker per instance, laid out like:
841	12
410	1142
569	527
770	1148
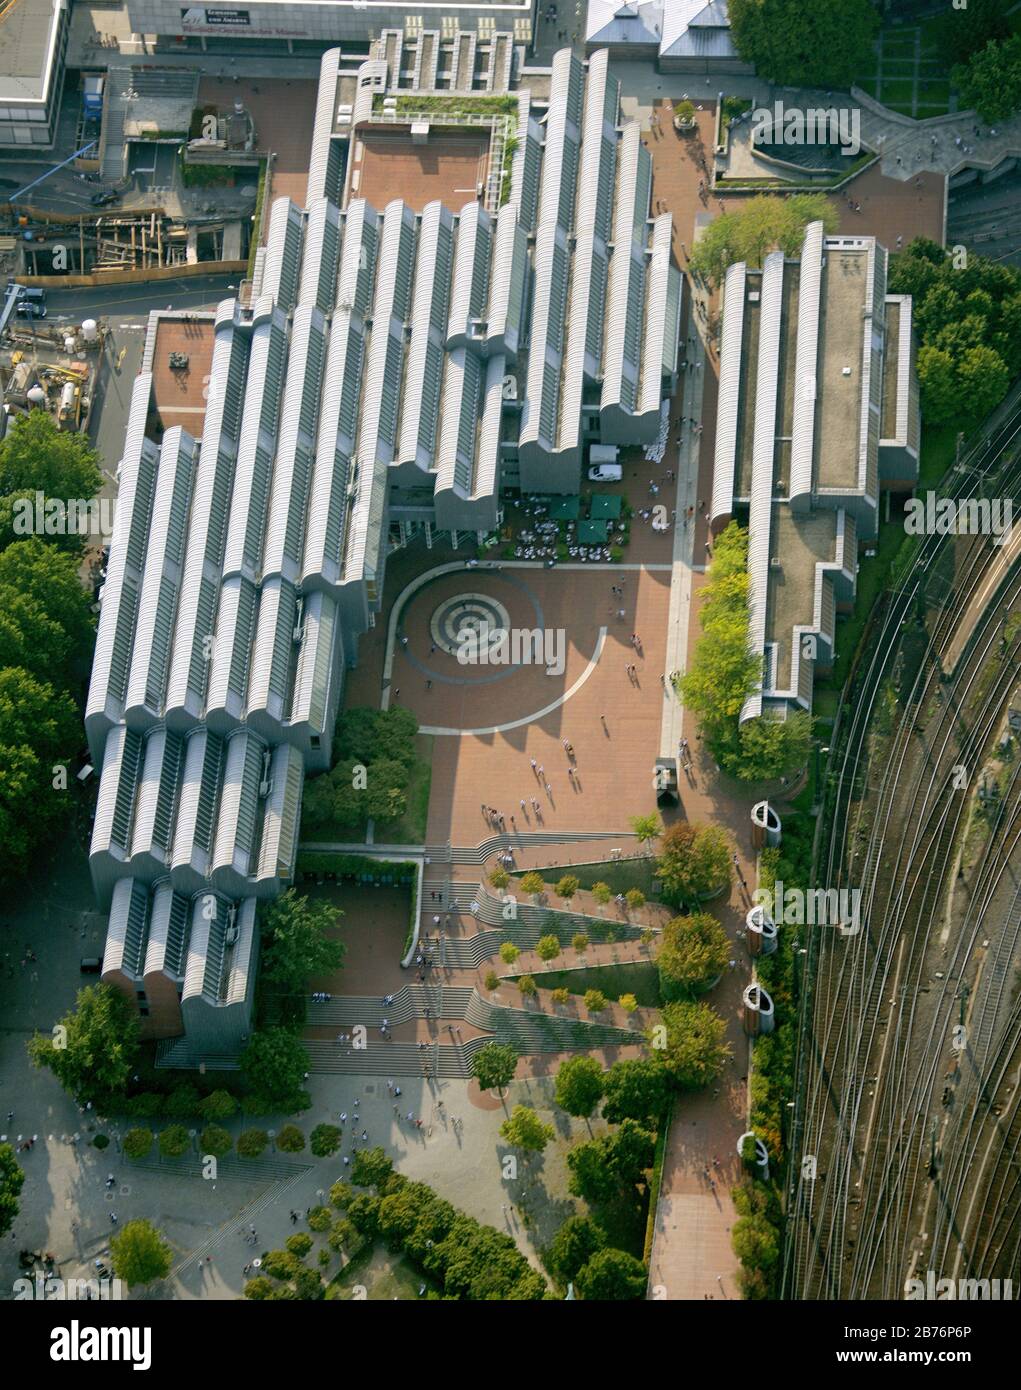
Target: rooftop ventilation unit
266	782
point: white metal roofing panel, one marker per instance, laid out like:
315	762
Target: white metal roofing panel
658	323
322	126
806	363
725	457
760	509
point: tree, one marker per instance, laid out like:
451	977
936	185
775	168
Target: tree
493	1066
765	223
372	1168
532	883
693	1050
755	1242
11	1179
628	1002
274	1065
694	861
38	735
37	456
547	948
635	898
826	45
527	986
138	1142
646	828
252	1143
560	995
297	944
611	1275
499	878
215	1140
290	1140
693	951
634	1090
509	952
960	33
630	1151
100	1045
580	942
579	1086
325	1140
567	886
771	748
590	1177
173	1141
492	980
299	1244
525	1130
49	578
602	892
218	1105
139	1253
578	1239
990	82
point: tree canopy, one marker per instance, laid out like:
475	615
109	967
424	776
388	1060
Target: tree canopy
725	671
636	1089
990	81
612	1276
577	1240
11	1179
693	951
36	456
493	1065
274	1065
692	1049
968	321
296	941
579	1085
139	1253
825	44
39	730
93	1048
525	1130
765	223
694	861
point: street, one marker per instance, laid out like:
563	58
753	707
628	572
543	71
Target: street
135	301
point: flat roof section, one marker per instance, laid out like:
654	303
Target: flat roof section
797	543
28	34
786	375
180	393
446	168
891	359
746	390
838	395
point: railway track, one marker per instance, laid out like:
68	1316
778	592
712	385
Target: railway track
879	1008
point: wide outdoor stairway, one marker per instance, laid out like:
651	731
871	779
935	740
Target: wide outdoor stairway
528	1031
531	923
410	1002
531	839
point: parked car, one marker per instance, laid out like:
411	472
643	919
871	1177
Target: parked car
91	965
606	473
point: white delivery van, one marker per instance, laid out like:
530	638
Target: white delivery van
603	465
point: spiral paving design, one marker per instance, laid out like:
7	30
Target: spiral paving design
478	614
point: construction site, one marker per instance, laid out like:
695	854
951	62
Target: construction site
46	368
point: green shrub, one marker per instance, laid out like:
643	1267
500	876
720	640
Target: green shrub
320	1219
595	1001
290	1140
138	1142
215	1140
252	1142
299	1244
324	1141
174	1141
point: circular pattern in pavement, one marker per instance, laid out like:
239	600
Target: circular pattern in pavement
468	622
